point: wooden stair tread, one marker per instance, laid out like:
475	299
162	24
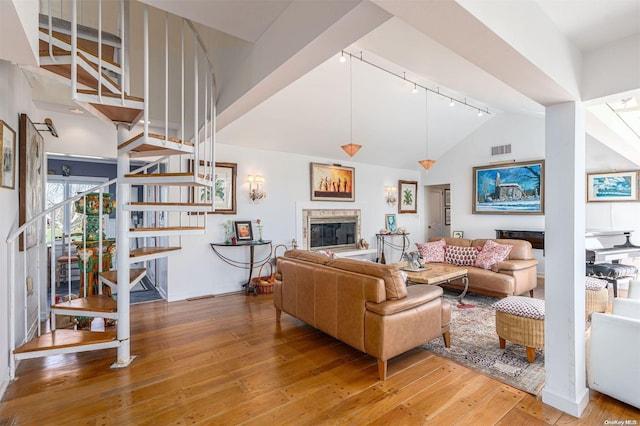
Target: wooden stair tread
145	251
65	339
117	114
156	175
110	95
167	228
146	147
84	78
112	276
93	303
149	203
83	46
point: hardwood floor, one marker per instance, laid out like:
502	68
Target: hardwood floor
225	360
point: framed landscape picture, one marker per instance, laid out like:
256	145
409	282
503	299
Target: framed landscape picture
332	182
612	186
224	190
512	188
8	156
408	196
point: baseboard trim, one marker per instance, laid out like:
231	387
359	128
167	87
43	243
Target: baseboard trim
572	407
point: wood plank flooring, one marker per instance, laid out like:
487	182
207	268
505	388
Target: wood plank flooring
225	361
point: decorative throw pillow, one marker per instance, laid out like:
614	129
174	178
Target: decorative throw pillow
432	252
491	254
460	256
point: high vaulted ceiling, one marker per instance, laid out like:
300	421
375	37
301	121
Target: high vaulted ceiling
283	88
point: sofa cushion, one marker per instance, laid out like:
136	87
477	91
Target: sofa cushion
308	256
395	286
491	254
433	251
460	256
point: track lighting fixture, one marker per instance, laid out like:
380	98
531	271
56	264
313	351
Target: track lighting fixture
452	100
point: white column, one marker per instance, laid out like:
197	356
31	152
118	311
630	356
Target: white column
565	386
122	256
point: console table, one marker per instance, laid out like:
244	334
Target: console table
381	242
216	247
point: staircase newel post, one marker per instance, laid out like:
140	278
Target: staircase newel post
122	256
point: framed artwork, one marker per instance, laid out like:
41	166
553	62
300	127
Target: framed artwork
612	186
408	191
8	152
513	188
332	182
390	222
31	179
447	198
243	230
224	190
457	234
447	216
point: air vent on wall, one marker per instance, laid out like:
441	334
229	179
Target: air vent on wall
501	149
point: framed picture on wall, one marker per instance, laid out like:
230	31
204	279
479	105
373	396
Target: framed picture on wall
512	188
408	196
31	178
330	182
223	191
447	216
612	186
447	198
8	156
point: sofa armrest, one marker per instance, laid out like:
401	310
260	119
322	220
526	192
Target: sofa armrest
416	295
514	265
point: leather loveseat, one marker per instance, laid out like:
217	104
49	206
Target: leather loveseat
511	277
365	305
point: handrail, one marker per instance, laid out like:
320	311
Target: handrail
12	236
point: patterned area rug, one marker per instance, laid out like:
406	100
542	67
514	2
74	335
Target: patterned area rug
474	344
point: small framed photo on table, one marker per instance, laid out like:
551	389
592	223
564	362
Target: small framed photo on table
457	234
243	230
390	222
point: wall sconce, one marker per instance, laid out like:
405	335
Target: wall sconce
390	195
256	188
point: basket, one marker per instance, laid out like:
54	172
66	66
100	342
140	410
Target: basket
263	284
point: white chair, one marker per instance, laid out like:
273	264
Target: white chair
613	352
634	289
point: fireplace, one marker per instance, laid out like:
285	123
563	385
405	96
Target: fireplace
330	229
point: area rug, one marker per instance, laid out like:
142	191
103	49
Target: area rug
474	344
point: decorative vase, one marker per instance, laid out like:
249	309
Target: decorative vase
260	233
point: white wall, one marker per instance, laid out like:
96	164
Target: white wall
197	271
15	98
526	136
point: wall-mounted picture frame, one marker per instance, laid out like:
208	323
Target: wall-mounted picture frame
612	186
407	196
31	178
390	222
512	188
332	182
8	156
457	234
447	198
447	216
224	190
243	229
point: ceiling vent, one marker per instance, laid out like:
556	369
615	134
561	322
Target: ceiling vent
501	149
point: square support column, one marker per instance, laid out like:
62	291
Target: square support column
565	386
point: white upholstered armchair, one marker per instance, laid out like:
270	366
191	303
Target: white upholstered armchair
613	352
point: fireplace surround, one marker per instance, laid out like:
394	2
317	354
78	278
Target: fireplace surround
330	229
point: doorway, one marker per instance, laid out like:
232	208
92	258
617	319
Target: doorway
438	208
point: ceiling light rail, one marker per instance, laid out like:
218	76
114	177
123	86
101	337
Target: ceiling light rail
452	100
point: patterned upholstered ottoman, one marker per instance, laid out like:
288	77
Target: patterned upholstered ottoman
521	320
596	295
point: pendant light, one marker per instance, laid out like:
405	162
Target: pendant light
351	148
426	163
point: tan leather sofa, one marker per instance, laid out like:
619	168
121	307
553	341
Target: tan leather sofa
514	276
365	305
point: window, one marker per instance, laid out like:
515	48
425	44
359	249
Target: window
60	188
